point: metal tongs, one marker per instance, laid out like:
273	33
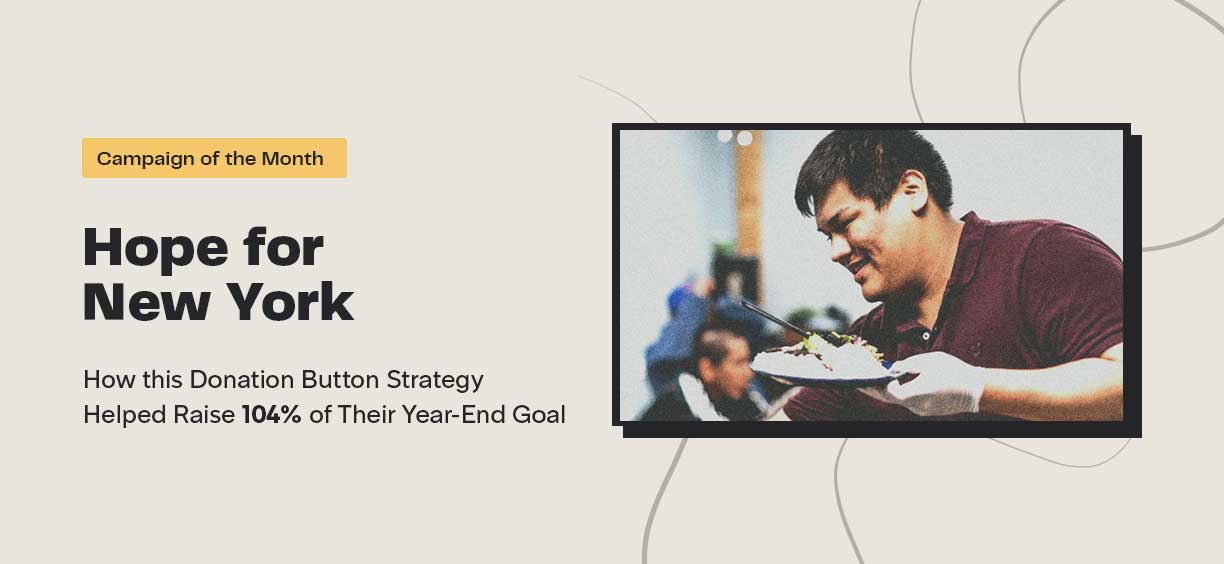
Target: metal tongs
805	334
784	323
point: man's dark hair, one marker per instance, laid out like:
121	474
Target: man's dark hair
711	340
871	162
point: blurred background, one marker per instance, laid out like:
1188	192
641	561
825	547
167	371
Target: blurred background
719	205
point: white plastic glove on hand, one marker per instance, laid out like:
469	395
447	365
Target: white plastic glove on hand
945	385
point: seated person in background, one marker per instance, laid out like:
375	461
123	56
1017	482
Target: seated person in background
718	384
689	306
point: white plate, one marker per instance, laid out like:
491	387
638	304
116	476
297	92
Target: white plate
807	370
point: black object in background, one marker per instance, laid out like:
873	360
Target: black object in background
737	277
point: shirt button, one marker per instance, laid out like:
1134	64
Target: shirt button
926	335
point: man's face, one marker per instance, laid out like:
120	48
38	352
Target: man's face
732	376
877	246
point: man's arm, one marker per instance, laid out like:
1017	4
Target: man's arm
676	337
1071	293
1085	389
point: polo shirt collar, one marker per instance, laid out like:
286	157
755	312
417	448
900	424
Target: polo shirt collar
968	249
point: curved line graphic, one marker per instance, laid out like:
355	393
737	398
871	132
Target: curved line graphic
840	509
1203	15
654	508
614	91
1064	464
1020	67
1185	240
913	34
1020	95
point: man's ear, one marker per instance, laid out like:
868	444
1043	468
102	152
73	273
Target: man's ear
913	186
705	369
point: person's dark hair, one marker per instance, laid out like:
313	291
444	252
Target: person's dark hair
871	162
711	341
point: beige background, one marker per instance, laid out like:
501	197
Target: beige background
477	212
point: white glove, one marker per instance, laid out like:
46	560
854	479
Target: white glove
945	385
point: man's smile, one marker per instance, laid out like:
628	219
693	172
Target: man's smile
856	268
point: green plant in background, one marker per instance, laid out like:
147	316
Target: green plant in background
838	315
821	320
724	249
801	317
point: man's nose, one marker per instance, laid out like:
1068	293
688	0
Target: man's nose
840	248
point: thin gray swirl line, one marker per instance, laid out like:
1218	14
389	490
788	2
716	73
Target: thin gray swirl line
1220	28
1020	67
654	507
1185	240
1209	230
1052	461
614	91
841	510
1020	95
659	497
914	33
1201	14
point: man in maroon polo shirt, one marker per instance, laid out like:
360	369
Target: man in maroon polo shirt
997	320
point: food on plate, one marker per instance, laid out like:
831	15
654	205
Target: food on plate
851	358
